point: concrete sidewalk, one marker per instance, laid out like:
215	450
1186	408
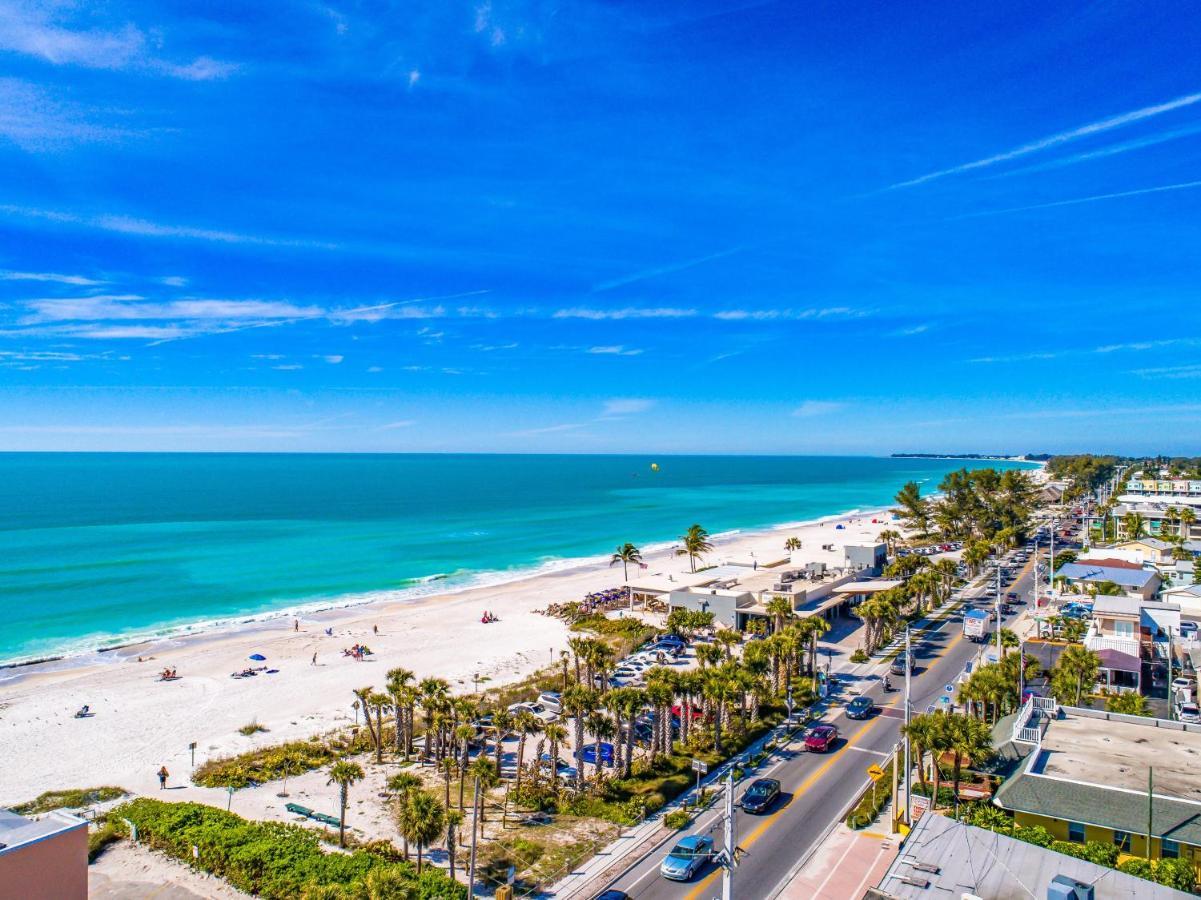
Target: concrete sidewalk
845	865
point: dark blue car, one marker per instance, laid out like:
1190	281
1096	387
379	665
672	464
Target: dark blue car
588	754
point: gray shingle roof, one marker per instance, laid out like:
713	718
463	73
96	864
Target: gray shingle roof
1092	805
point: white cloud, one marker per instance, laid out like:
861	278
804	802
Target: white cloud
615	350
49	276
374	369
288	367
761	315
124	307
414	77
403	423
625	406
626	313
811	408
1054	140
333	359
549	429
911	330
29	30
173	280
1166	188
1170	372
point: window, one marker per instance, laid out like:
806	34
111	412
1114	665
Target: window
1121	840
1169	849
1076	832
1123	629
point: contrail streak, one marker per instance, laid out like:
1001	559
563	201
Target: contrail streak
1155	190
1056	139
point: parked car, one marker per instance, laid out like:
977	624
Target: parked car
687	857
1188	631
820	738
565	771
552	700
860	708
588	753
1188	713
761	794
545	714
1183	685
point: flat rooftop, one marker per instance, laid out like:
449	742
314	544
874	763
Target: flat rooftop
16	830
1116	754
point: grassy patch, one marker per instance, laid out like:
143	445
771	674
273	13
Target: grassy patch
109	832
275	860
72	798
252	728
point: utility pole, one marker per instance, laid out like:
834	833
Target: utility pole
1021	670
1150	806
727	872
1171	690
474	834
997	605
908	762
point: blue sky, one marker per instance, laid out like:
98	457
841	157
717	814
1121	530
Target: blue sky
744	227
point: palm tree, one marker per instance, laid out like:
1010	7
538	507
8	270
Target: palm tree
780	609
708	654
1187	517
577	703
793	543
1135	525
625	703
600	726
365	696
502	724
889	536
526	724
401	784
464	734
626	553
1076	668
694	544
811	628
421	821
728	639
344	774
914	509
484	774
403	697
453	819
556	734
927	733
970	740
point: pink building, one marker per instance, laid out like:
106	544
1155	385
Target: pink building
43	859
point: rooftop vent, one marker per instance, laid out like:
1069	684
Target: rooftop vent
1064	887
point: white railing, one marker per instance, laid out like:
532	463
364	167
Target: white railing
1097	642
1040	711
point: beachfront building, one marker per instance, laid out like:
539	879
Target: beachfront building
1133	626
1086	775
44	858
1187	597
944	858
1079	577
866	559
736	600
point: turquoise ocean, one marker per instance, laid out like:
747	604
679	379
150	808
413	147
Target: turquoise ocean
97	549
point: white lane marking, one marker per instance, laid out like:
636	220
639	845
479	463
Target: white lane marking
867	750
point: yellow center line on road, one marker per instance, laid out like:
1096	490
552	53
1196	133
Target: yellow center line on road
771	820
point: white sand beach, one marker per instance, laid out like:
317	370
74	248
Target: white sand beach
141	723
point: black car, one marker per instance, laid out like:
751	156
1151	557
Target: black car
760	795
898	667
860	708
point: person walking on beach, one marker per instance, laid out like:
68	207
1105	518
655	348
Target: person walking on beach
375	628
314	659
296	624
162	778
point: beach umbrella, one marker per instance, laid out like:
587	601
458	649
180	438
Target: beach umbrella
258	657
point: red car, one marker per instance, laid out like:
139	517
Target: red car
678	712
821	738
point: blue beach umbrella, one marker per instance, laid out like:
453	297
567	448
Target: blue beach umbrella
258	657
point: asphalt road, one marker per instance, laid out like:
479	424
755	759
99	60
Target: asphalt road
817	787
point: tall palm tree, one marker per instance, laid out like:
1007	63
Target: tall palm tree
577	703
625	704
889	536
502	724
364	696
708	654
403	697
626	553
448	765
422	820
484	775
344	774
526	724
924	732
454	819
402	784
1187	518
970	740
600	726
913	508
728	639
780	609
694	544
377	703
556	734
464	735
812	628
1135	525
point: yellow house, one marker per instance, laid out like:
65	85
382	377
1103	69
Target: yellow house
1097	776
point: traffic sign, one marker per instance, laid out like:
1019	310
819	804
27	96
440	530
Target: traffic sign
875	773
699	765
949	688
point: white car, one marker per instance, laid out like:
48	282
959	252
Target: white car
542	712
1183	686
552	700
1189	713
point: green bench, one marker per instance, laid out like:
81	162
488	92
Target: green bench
299	810
328	820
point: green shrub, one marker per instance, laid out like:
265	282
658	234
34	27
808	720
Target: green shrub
867	810
251	728
676	819
274	860
1176	873
1139	868
859	656
108	833
72	798
265	764
1033	834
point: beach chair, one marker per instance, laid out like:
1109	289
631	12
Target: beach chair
333	821
299	810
